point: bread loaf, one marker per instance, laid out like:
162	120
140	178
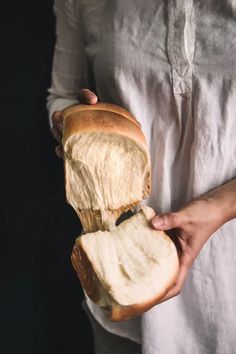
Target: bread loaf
126	269
107	165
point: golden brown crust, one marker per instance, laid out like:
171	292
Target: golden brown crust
102	121
108	107
85	272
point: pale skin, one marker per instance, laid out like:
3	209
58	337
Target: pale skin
191	226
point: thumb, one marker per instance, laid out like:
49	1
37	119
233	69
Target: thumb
87	97
166	221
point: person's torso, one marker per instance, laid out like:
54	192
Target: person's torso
172	64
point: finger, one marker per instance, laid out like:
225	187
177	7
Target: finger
166	221
88	97
57	135
177	287
57	118
57	125
59	151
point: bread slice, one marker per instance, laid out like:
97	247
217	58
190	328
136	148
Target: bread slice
127	270
106	161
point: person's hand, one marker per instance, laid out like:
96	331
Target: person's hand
85	97
189	228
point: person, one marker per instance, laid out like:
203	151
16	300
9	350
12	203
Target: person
172	64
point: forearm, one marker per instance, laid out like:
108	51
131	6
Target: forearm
194	224
224	197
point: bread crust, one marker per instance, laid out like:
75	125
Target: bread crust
87	121
108	107
85	272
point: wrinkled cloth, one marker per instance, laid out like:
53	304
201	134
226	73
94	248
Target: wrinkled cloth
173	65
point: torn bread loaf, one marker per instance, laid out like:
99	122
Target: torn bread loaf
127	270
106	161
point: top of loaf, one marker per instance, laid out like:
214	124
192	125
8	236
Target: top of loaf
107	164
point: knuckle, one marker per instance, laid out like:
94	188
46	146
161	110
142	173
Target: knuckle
174	219
53	118
58	151
54	132
56	115
86	95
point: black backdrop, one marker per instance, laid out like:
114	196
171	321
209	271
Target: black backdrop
40	295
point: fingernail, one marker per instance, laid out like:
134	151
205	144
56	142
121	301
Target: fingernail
157	221
93	99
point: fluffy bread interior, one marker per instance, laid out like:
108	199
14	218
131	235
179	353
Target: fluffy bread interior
106	174
130	265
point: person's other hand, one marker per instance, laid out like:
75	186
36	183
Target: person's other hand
85	97
189	228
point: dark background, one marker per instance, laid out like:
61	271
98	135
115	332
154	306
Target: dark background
40	294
